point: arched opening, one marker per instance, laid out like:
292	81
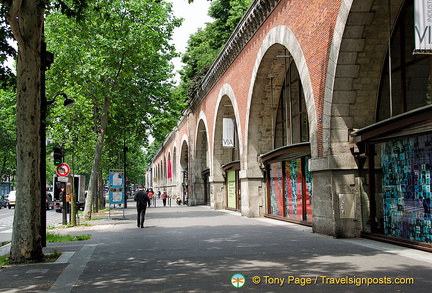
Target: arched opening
184	166
227	152
201	166
289	184
174	165
396	148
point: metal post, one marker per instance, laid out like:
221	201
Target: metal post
124	167
64	207
390	61
42	170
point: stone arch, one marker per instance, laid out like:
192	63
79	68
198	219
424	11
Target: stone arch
174	164
201	162
357	54
356	59
265	87
226	108
201	134
269	72
226	101
184	166
160	173
164	175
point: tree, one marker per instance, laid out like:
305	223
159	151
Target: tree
7	78
26	19
7	132
205	45
26	22
118	58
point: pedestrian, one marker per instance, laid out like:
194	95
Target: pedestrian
142	200
150	195
164	198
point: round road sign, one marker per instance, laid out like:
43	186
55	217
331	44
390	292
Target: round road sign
63	170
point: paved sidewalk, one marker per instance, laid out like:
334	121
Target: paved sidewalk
196	249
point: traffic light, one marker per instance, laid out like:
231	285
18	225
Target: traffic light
58	155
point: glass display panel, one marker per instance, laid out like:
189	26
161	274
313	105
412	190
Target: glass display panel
406	188
276	189
231	178
293	190
308	191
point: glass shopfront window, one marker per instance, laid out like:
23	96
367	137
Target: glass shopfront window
276	189
290	190
410	73
403	200
289	180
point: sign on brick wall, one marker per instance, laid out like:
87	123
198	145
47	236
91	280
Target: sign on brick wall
228	132
423	27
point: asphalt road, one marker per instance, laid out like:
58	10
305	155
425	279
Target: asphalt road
6	222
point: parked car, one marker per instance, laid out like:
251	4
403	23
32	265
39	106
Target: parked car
11	199
3	201
49	202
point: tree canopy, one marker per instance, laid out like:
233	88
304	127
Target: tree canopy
7	133
205	45
112	57
118	60
7	78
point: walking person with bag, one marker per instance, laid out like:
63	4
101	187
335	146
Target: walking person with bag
142	200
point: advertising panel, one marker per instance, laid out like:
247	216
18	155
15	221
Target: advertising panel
231	177
116	180
422	27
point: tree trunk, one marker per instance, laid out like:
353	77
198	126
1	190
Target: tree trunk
26	20
96	160
102	191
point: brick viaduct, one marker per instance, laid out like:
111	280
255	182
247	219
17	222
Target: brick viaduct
337	49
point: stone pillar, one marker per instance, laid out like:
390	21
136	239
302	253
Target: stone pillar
253	193
217	194
337	196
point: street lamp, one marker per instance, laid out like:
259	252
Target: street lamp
68	102
44	103
46	58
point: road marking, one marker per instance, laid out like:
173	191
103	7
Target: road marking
65	257
77	263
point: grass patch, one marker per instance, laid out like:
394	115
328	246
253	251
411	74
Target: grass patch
50	237
53	237
4	259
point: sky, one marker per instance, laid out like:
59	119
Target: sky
195	16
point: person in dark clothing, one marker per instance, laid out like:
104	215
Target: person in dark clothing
142	200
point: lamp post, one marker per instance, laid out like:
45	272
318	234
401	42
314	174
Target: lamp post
47	59
125	183
44	104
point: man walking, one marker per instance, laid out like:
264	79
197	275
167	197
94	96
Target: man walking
142	200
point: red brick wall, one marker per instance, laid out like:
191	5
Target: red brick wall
312	22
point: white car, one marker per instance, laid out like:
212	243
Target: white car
11	199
